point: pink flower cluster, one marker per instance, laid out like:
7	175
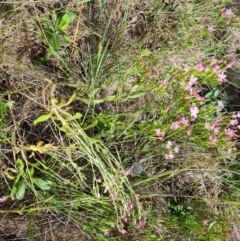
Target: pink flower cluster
227	13
172	151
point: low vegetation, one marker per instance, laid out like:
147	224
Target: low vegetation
119	120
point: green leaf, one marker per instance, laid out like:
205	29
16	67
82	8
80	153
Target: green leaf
77	116
20	164
42	118
110	98
54	42
66	38
21	188
54	16
42	184
65	20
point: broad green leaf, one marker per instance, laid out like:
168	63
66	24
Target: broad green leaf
21	188
20	164
98	101
42	184
110	98
77	116
54	42
65	20
42	118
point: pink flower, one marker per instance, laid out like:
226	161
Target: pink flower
2	199
123	231
234	122
174	61
189	132
199	97
210	28
194	111
192	80
216	69
208	126
160	134
184	122
175	125
217	129
230	65
112	225
176	149
169	144
227	12
142	223
164	83
217	120
230	132
106	190
199	66
213	140
99	180
169	156
159	229
222	77
220	105
206	222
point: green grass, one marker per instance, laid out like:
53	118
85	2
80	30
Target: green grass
120	84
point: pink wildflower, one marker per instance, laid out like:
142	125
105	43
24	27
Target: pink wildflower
169	156
208	126
189	132
220	105
212	60
227	12
206	222
99	180
230	132
176	149
217	120
216	69
169	145
192	80
106	190
164	83
2	199
123	231
184	122
222	77
217	129
175	125
160	134
213	140
194	111
199	97
234	122
112	225
106	233
159	229
199	66
142	223
230	65
210	28
174	61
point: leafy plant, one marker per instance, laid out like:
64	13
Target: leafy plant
53	31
